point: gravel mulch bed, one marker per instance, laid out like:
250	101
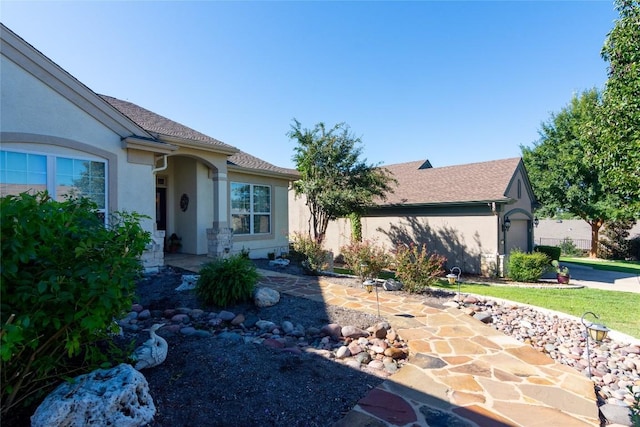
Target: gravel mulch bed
213	382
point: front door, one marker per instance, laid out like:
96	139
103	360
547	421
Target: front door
161	208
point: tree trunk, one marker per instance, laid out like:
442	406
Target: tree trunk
595	228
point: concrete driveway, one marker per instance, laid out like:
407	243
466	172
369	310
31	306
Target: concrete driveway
601	279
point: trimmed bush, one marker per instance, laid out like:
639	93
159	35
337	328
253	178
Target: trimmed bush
365	258
417	268
65	277
553	252
525	267
227	281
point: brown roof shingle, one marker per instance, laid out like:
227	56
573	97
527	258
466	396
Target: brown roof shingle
155	123
474	182
245	160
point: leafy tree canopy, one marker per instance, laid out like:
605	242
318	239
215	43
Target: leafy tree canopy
334	180
618	153
564	176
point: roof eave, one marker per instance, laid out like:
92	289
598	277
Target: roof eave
262	172
504	201
143	144
184	142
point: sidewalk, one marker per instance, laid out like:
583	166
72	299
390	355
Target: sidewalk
461	372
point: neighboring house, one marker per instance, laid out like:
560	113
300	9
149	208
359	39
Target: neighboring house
457	211
58	135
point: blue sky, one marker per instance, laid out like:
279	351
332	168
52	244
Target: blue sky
455	82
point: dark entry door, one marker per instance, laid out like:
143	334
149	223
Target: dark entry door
161	208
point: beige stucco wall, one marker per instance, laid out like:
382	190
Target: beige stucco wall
30	107
519	236
40	120
462	239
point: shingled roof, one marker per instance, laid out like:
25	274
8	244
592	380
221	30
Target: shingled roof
160	125
157	124
474	182
245	160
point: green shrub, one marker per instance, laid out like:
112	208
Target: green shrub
417	268
525	267
553	252
314	256
65	277
227	281
568	248
365	258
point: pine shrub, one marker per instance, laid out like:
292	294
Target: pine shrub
227	281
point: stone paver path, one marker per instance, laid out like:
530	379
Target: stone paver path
461	372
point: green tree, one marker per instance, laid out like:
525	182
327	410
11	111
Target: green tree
618	152
564	177
333	179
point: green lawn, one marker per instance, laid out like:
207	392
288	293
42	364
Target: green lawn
632	267
617	310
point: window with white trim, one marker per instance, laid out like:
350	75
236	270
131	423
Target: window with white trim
250	208
60	176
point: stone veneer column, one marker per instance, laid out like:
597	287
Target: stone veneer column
220	241
153	256
220	235
489	264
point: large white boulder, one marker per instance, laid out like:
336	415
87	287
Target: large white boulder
266	297
117	397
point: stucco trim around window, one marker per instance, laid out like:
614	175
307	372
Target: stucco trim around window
112	159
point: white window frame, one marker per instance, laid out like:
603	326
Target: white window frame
251	212
51	173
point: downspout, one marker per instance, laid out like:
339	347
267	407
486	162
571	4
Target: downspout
164	164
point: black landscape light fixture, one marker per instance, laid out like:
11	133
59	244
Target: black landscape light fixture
536	222
596	331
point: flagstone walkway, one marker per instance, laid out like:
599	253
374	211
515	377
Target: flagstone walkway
460	372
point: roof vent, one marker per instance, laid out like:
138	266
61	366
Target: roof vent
426	165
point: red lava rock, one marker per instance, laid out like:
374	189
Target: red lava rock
388	407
